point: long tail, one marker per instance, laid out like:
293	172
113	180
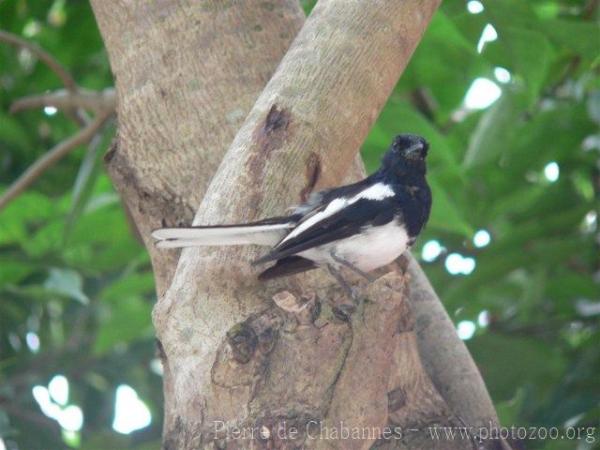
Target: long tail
265	232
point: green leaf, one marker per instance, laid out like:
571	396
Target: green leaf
13	271
511	13
495	129
122	322
563	287
67	283
445	62
101	239
12	133
580	37
129	284
508	362
16	219
554	133
445	214
89	170
509	410
532	53
593	106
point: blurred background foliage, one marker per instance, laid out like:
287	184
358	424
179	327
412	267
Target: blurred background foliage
508	94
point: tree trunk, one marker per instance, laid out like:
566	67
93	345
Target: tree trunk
267	357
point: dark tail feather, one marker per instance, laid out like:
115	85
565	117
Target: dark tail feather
287	266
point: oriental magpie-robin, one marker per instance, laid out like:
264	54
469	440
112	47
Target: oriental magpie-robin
361	226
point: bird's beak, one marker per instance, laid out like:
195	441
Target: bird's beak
415	151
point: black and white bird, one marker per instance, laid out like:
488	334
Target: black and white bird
361	226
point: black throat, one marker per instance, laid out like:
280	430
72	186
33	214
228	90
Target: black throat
413	195
408	173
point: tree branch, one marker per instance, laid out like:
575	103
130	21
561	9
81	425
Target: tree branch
37	419
445	356
178	112
51	157
66	100
43	56
52	63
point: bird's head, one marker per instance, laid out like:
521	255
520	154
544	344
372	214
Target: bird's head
406	155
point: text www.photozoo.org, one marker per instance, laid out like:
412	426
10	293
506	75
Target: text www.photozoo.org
313	430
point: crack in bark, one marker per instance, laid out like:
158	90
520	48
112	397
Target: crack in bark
163	207
330	392
396	399
112	150
271	134
243	341
313	172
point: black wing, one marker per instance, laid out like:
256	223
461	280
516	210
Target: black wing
287	266
319	200
346	222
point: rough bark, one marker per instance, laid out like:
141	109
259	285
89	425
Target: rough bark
170	133
184	86
235	358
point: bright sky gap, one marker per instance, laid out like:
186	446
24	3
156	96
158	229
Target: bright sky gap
131	413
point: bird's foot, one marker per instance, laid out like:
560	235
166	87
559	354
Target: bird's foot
351	266
345	310
341	281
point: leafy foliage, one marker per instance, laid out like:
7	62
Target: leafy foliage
73	277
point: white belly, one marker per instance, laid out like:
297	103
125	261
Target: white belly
375	247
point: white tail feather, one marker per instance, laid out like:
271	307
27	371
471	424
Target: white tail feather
230	235
178	243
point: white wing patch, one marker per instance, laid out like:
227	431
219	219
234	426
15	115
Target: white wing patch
378	191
